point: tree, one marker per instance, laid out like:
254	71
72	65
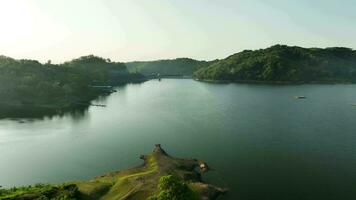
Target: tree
173	188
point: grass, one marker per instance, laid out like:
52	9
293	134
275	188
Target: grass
40	191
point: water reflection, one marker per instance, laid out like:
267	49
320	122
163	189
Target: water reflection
30	114
24	115
263	143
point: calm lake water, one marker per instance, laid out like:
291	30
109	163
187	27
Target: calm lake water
263	143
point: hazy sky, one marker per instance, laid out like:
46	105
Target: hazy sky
126	30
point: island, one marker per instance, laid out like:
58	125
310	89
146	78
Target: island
284	64
160	177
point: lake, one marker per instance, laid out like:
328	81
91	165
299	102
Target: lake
263	143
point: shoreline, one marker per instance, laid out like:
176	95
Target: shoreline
13	109
32	110
276	82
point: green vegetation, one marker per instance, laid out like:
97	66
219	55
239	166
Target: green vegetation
102	71
27	85
161	177
40	192
285	64
179	66
172	188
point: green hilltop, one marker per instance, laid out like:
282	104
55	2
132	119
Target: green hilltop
281	63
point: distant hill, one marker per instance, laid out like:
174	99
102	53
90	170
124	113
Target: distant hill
282	63
179	66
101	71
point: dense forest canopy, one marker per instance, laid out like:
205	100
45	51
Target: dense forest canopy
28	82
179	66
101	70
282	63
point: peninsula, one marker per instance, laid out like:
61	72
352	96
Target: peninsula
160	177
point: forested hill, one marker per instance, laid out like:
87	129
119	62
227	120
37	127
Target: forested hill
30	85
101	71
179	66
282	63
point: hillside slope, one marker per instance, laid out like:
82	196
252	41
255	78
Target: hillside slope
282	63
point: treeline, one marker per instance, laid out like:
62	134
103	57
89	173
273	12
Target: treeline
179	66
28	84
282	63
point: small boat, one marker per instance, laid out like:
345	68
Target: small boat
300	97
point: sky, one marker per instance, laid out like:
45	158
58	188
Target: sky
131	30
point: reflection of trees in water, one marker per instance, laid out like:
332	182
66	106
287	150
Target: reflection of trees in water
29	113
121	88
76	113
